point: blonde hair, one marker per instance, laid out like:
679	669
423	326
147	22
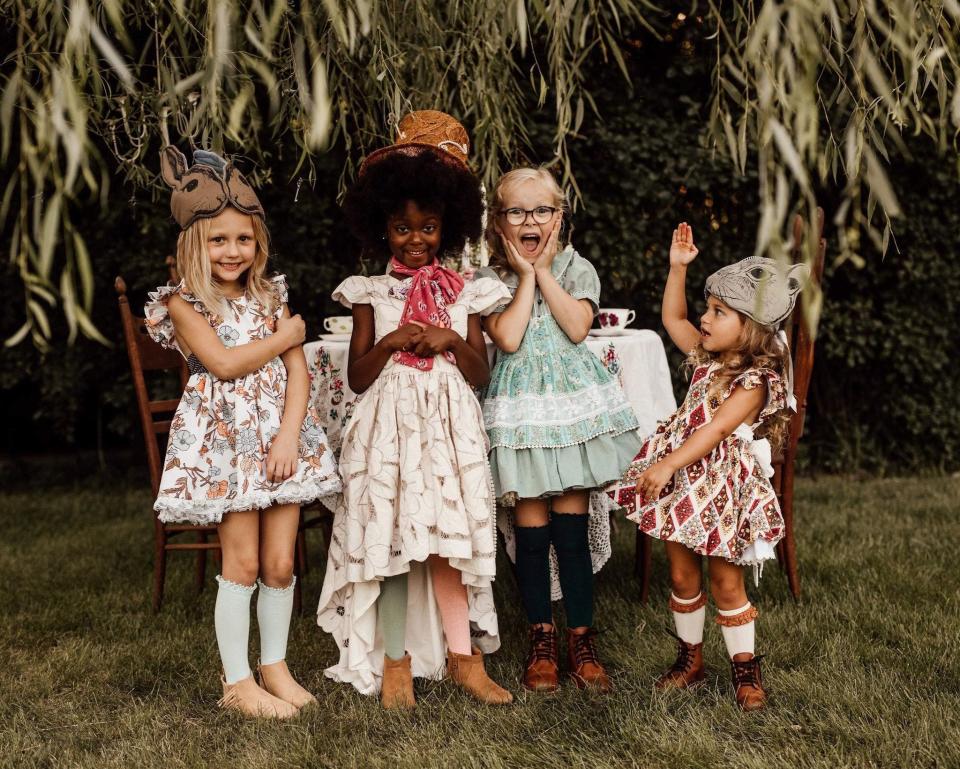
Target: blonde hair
758	348
193	264
498	258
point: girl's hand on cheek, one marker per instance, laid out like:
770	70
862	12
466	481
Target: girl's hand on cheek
434	341
545	260
517	263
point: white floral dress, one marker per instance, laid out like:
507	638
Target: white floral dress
221	433
416	482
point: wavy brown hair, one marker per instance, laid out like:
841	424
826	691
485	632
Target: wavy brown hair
193	264
758	348
498	258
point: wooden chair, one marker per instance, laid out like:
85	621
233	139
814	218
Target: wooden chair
155	416
801	349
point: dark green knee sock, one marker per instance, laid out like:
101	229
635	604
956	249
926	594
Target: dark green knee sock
569	535
392	615
533	572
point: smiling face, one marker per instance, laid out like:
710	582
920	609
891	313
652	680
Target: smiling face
720	327
232	248
529	237
413	235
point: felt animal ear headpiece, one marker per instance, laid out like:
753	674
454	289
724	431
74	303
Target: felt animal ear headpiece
759	288
206	188
427	131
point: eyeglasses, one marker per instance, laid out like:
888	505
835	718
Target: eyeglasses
540	214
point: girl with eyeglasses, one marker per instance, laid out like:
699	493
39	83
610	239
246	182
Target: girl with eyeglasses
558	422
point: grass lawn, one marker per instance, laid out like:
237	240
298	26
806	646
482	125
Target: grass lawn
864	671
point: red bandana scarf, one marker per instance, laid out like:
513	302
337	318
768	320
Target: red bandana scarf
433	287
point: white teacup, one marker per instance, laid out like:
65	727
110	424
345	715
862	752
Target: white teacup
339	324
615	317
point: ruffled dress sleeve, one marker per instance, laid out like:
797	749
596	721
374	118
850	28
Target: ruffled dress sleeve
279	284
488	273
776	389
581	281
157	317
357	289
484	295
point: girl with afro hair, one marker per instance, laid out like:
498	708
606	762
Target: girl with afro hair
408	588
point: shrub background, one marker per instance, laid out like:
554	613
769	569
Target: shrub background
886	382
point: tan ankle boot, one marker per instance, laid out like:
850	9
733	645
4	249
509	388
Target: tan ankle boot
586	670
687	670
396	691
248	698
748	684
467	671
280	683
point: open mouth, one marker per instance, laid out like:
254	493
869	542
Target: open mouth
230	267
530	243
704	334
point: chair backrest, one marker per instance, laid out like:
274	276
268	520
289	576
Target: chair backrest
799	333
146	355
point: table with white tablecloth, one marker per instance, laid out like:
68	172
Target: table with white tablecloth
636	358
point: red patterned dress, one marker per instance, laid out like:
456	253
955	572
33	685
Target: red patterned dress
723	504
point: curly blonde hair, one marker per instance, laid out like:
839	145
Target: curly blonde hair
758	348
498	258
193	264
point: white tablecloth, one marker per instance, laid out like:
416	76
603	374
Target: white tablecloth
636	358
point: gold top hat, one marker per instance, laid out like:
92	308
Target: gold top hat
428	130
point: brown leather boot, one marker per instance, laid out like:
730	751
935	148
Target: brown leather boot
467	671
748	684
542	671
396	691
688	670
585	667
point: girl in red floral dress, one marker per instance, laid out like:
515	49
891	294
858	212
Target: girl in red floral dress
701	482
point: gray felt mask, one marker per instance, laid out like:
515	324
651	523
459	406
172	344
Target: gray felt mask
759	288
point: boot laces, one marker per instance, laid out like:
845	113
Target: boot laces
584	648
747	673
543	644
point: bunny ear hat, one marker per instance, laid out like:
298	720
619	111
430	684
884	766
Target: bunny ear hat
204	189
759	288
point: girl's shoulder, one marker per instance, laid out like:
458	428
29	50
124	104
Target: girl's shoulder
361	289
484	294
578	276
157	313
775	385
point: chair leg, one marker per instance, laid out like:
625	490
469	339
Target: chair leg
159	565
789	542
641	565
326	526
200	576
302	549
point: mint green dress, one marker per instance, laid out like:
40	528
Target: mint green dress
556	419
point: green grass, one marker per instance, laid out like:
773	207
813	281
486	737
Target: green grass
863	671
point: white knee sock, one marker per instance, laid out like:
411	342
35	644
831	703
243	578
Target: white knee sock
231	618
274	607
739	629
690	617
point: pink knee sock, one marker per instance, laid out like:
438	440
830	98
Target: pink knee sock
451	596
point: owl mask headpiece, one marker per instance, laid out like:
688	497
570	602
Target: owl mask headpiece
206	188
759	288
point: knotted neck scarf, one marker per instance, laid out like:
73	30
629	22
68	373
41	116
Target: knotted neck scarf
433	288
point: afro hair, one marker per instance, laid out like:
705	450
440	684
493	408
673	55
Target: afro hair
433	183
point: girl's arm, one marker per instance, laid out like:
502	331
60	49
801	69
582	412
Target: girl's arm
367	359
471	353
196	336
743	406
674	310
285	447
574	316
507	328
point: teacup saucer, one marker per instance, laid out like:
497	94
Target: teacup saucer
335	337
618	331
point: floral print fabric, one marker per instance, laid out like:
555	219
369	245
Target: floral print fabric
221	433
724	504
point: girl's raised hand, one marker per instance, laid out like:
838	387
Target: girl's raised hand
517	263
682	250
549	253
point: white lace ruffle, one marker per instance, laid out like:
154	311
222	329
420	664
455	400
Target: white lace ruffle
553	409
598	536
207	511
